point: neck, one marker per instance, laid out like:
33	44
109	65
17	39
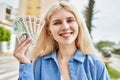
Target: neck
65	52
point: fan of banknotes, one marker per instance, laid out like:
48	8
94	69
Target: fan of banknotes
28	27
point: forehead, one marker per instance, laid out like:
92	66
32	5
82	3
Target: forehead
61	13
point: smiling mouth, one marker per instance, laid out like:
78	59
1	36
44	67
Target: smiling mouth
65	35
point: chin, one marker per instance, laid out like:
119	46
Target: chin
67	42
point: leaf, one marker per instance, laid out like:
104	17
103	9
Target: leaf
5	34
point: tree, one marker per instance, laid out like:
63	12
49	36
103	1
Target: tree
89	14
4	34
100	45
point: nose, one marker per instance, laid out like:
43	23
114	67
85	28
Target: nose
65	26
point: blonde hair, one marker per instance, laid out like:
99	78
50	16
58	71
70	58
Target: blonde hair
46	44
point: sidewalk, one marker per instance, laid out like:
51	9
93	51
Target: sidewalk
8	67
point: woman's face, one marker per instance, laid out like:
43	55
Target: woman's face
63	27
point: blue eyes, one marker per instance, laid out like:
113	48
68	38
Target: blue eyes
60	22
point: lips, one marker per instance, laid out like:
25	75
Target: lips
66	34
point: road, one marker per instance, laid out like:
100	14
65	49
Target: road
115	61
8	68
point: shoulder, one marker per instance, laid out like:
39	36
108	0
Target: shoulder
97	67
95	61
38	59
37	62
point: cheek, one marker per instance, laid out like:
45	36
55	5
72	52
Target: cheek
54	35
75	28
52	31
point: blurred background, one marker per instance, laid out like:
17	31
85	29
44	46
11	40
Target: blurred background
101	16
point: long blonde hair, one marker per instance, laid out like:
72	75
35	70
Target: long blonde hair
45	44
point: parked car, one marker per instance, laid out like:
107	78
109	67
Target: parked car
106	53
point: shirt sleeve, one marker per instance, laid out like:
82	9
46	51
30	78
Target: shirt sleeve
26	72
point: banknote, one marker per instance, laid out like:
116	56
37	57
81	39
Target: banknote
33	24
28	27
39	25
20	29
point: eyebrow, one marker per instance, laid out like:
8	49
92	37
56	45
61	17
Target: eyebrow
70	17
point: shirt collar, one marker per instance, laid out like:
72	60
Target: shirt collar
79	56
51	55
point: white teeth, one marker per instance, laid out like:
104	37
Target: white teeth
65	34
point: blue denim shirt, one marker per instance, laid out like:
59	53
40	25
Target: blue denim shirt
81	67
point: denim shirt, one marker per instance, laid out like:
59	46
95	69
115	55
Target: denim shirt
81	67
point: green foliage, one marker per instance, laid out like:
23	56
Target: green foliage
100	45
116	51
113	72
4	34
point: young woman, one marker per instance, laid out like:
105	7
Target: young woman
64	50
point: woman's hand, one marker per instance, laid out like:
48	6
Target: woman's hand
22	52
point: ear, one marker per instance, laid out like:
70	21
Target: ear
49	32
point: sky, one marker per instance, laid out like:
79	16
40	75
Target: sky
107	19
106	22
